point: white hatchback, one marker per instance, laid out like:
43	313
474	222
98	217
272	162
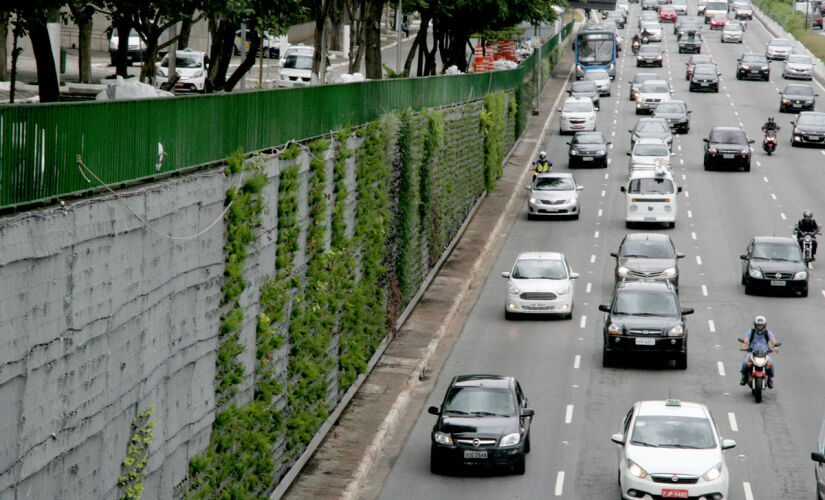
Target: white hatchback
540	283
191	67
578	114
672	449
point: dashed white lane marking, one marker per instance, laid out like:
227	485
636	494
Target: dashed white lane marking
711	326
732	420
687	195
596	235
746	485
583	322
588	287
681	161
782	214
603	193
690	214
693	236
568	414
679	147
600	213
765	179
758	164
698	260
560	483
684	177
721	368
704	290
577	361
593	258
773	196
606	176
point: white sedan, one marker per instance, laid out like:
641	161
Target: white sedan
649	153
540	283
578	114
671	449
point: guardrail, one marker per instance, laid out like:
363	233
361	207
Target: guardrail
120	140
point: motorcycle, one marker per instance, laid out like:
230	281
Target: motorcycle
806	244
635	47
536	172
769	142
757	376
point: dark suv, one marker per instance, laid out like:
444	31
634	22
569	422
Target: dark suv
645	317
483	420
753	66
728	146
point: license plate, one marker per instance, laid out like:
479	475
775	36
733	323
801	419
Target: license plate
179	84
755	71
727	157
705	84
587	158
577	126
777	283
640	341
476	454
814	137
674	493
797	105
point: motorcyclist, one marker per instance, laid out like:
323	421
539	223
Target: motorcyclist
637	42
807	224
770	126
543	165
758	338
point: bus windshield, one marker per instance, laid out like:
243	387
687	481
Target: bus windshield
594	49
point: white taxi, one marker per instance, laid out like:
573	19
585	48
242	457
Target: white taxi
540	283
649	153
650	196
672	449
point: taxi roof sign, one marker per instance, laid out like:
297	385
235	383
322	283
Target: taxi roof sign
673	402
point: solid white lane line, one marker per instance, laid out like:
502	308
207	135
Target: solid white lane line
746	485
711	326
782	214
704	290
692	235
698	260
679	147
577	361
721	368
560	483
568	414
732	420
690	214
773	196
600	213
583	322
603	193
593	258
596	235
587	288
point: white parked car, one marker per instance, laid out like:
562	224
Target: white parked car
651	93
553	194
601	78
798	66
540	283
779	48
191	66
296	67
577	114
671	449
650	196
649	153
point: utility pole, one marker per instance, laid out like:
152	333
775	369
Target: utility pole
243	53
537	70
398	38
173	57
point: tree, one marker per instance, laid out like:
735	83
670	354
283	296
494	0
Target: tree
31	18
82	13
5	19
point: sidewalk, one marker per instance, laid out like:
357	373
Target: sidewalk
352	461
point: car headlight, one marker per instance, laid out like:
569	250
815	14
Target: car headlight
764	68
614	329
512	289
797	138
638	58
746	151
198	74
601	152
533	200
573	152
610	68
510	439
572	200
755	273
443	438
713	474
636	470
622	271
670	271
801	275
712	151
659	58
784	101
676	331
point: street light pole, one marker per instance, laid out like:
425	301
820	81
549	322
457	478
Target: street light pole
398	38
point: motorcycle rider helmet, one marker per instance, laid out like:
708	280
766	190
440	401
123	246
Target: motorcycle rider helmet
760	321
770	119
542	155
808	214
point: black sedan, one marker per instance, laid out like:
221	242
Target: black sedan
676	114
585	88
705	78
754	67
588	149
650	55
727	146
797	97
483	421
774	263
645	317
809	128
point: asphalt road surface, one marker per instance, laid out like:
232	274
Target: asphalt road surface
578	403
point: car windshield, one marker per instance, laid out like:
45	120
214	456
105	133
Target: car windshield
654	88
717	6
479	401
754	58
781	42
701	60
670	107
650	186
298	62
652	126
651	26
798	90
582	86
667	8
811	119
554	184
728	137
799	59
641	78
705	69
651	150
577	107
596	74
183	61
539	269
640	303
671	431
720	16
777	251
588	138
733	27
649	50
646	248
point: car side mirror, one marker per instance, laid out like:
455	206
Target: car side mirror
614	254
818	456
608	143
687	310
574	276
505	274
622	189
793	123
705	140
617	438
689	112
527	412
728	444
680	256
628	153
579	188
558	110
434	410
569	92
631	131
679	189
604	308
743	257
751	141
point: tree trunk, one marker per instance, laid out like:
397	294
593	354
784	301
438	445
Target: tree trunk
149	66
410	57
336	18
44	57
320	26
5	18
223	43
84	54
185	32
357	51
123	26
247	63
372	52
15	53
421	42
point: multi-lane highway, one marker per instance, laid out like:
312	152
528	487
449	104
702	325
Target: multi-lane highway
578	403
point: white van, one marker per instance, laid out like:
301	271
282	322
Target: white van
651	197
296	67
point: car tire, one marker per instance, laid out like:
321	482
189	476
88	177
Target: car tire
437	465
608	358
575	216
637	111
520	466
527	444
671	225
748	288
509	315
804	292
743	280
738	76
748	167
681	361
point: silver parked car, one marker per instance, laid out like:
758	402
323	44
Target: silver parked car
798	66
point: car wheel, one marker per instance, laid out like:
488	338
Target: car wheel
527	444
793	144
743	281
738	76
681	361
575	216
637	111
509	315
671	225
608	358
436	463
804	292
530	216
748	167
520	466
748	288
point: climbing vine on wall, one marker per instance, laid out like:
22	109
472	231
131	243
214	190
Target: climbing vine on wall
131	480
428	207
408	265
493	119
